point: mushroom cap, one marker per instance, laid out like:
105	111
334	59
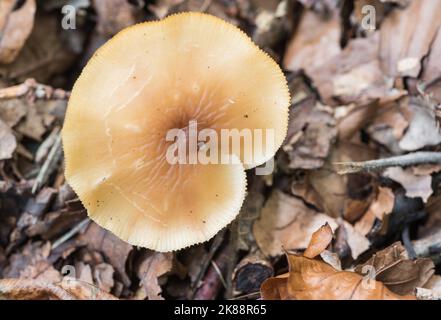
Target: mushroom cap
148	79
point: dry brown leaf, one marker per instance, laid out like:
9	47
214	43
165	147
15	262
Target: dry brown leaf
314	36
415	186
310	279
153	265
287	223
406	37
18	27
315	280
115	250
393	268
68	289
8	143
320	240
311	133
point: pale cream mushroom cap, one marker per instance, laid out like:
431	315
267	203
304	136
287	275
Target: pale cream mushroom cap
148	79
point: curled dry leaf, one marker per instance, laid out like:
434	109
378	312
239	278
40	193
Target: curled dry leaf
287	223
312	279
393	267
320	240
68	289
16	29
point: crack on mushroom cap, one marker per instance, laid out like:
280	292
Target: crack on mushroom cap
162	74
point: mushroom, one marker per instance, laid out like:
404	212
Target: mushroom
147	80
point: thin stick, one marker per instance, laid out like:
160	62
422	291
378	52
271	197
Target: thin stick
48	166
213	249
398	161
219	273
71	233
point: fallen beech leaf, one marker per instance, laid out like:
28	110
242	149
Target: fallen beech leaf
393	268
314	36
320	240
315	280
406	37
17	29
415	186
310	279
8	143
22	289
153	265
287	223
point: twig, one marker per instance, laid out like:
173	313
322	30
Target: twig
219	273
401	161
213	249
234	237
49	165
71	233
35	89
248	295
